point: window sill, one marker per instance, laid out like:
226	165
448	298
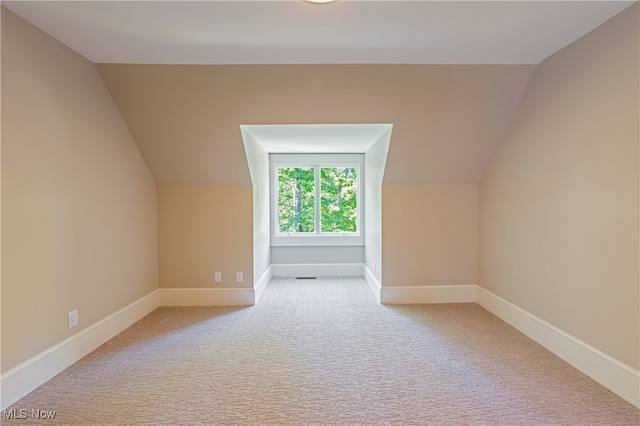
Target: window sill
317	240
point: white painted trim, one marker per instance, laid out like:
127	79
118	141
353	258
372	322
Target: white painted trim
32	373
373	282
606	370
207	297
261	284
402	295
317	270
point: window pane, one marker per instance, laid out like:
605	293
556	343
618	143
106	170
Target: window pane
296	211
339	199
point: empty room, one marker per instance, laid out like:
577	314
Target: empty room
324	213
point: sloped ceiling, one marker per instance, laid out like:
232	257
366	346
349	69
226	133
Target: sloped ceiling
447	119
186	119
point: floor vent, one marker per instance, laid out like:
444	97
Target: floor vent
306	278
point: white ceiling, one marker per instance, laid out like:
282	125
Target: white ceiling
296	32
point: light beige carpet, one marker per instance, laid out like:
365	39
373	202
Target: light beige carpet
323	352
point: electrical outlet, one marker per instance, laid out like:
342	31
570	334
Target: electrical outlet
239	277
217	277
73	318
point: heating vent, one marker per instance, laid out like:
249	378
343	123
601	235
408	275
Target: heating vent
306	278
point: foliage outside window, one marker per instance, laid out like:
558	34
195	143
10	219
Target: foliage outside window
296	199
317	199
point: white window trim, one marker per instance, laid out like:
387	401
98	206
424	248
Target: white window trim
316	160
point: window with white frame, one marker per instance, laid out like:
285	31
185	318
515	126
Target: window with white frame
316	199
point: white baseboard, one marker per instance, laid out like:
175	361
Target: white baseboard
606	370
27	376
207	297
402	295
373	282
262	283
317	270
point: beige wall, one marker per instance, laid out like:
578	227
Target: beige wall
558	205
186	121
203	229
429	234
79	224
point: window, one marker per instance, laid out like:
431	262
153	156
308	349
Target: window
316	199
298	209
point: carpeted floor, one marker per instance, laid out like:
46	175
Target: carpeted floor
323	352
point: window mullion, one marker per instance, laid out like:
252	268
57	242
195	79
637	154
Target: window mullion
316	187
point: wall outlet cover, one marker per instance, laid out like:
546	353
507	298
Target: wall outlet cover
73	318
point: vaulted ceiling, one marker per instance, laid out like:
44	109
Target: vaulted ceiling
186	75
186	119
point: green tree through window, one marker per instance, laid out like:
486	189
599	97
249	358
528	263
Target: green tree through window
338	199
296	199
